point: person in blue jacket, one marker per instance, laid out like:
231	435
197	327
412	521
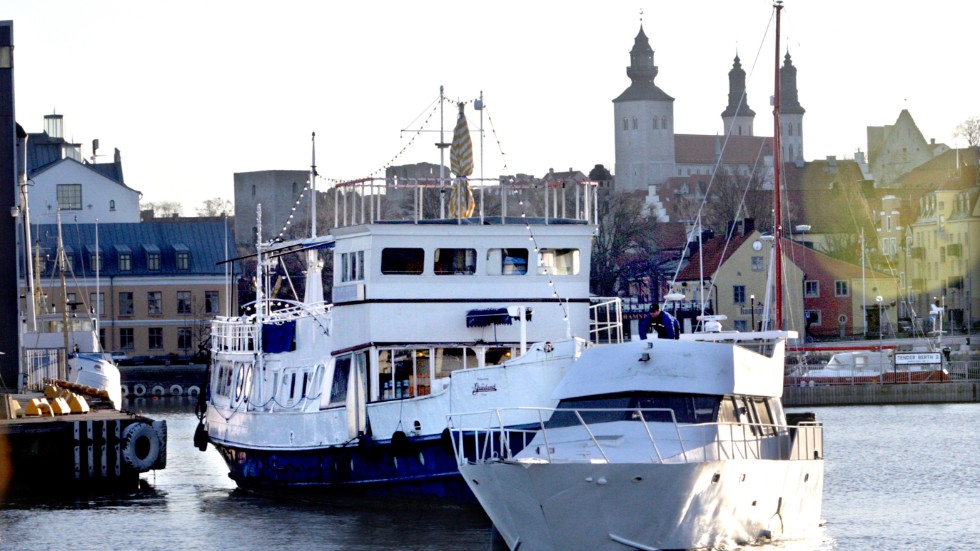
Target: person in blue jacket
663	323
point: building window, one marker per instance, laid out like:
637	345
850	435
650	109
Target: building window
126	341
398	261
112	204
352	266
69	196
211	304
625	124
812	317
183	302
840	288
654	122
663	124
184	338
758	264
154	303
125	303
454	261
741	325
153	261
155	336
634	123
183	260
125	262
98	303
95	261
811	289
738	294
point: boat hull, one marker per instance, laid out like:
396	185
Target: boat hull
417	467
584	505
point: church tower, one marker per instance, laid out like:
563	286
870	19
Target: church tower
790	113
644	124
737	117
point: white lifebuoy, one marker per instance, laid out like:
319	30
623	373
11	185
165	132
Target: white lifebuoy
193	390
158	391
140	446
176	390
124	390
139	389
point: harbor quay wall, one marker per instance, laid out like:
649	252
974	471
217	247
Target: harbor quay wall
162	380
878	394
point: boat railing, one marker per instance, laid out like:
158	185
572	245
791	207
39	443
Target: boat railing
240	334
42	365
493	435
606	320
367	200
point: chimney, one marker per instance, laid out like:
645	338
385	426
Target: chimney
748	226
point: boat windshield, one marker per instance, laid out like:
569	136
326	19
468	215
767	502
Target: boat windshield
653	407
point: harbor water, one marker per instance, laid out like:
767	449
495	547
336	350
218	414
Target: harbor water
897	477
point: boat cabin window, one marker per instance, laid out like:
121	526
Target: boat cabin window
649	407
398	261
352	266
558	261
403	373
748	410
455	261
448	360
338	386
497	355
506	261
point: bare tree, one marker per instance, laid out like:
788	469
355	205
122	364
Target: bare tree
625	242
216	207
969	129
164	209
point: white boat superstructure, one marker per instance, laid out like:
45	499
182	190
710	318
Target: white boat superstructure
427	317
657	444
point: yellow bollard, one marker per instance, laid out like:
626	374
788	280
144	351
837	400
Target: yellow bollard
37	407
78	404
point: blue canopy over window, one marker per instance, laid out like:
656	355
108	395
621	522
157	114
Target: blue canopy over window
487	317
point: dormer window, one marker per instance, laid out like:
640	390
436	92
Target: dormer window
182	257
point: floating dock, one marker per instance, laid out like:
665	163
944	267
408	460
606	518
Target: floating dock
46	449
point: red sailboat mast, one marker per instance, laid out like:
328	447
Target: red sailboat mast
777	166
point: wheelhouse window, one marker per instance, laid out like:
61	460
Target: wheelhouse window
338	385
454	262
402	261
447	360
352	266
507	261
652	408
69	196
558	261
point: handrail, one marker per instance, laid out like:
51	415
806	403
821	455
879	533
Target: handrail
727	440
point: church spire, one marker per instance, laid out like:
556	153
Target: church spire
789	100
738	116
642	72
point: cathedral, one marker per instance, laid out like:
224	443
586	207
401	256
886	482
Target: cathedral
650	155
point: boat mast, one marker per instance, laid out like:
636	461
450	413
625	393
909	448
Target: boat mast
98	294
62	265
313	190
777	181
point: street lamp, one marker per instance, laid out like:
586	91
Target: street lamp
878	299
752	304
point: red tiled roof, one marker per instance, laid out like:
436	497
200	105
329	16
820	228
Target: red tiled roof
711	257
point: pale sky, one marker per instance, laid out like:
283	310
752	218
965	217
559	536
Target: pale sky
193	91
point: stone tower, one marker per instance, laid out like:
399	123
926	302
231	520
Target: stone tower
737	117
790	114
644	124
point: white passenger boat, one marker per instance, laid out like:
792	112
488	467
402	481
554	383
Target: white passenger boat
428	316
662	444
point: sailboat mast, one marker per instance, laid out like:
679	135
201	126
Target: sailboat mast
777	164
62	265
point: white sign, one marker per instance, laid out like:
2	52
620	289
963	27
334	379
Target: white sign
909	358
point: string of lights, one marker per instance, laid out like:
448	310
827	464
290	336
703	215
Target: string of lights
534	243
